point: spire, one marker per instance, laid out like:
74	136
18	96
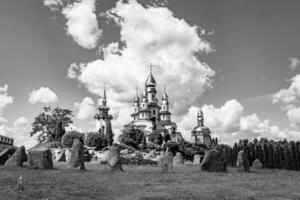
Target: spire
104	95
136	99
200	117
150	80
165	96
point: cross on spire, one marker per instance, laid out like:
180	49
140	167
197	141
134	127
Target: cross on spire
137	90
151	66
104	95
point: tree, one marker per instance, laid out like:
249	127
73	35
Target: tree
95	139
266	155
44	124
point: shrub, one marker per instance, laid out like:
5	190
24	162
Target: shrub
95	139
156	138
69	137
132	137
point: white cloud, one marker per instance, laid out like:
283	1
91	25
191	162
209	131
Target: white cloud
86	109
294	63
229	124
20	132
151	35
82	23
5	100
294	116
42	95
73	71
54	5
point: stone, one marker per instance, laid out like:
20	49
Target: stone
60	156
17	159
197	159
165	163
112	158
20	185
5	154
40	158
242	162
76	158
212	162
178	159
68	153
257	164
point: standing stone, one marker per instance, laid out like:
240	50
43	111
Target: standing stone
60	156
166	163
257	164
242	162
178	159
113	158
5	154
197	159
76	158
40	158
17	159
212	162
20	185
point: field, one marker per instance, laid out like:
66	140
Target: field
147	183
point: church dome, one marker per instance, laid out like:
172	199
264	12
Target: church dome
150	80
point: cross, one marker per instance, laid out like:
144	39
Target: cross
151	66
137	90
165	88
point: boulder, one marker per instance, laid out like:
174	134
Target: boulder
76	158
5	154
212	162
17	159
40	158
257	164
178	159
60	156
242	162
112	158
165	163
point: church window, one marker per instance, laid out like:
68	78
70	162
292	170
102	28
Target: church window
153	112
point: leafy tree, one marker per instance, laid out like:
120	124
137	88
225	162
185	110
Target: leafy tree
266	155
156	137
133	137
69	137
44	124
95	139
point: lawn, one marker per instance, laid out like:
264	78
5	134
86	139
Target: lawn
147	183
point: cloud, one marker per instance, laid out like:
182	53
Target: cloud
149	35
294	63
54	5
5	100
82	23
73	71
42	95
20	132
229	123
86	109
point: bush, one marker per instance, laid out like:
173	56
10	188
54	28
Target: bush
95	139
156	138
69	137
132	137
189	150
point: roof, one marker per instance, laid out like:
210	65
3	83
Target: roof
201	129
150	80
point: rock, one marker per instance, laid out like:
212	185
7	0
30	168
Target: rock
212	162
197	159
40	158
242	162
60	156
17	159
67	153
178	159
165	163
76	158
112	158
20	185
5	154
257	164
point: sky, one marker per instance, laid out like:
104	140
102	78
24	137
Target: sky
238	59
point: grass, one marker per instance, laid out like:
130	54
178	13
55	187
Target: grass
147	183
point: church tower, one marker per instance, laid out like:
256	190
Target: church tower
144	109
105	118
151	87
200	118
136	106
165	115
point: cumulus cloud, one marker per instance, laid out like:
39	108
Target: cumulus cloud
229	123
294	63
86	109
149	35
20	132
5	100
42	95
54	5
82	23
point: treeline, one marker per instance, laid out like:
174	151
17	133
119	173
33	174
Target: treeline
272	154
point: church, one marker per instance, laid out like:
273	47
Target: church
148	115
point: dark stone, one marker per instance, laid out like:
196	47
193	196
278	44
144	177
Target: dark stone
5	154
242	162
40	158
76	158
17	159
212	162
113	158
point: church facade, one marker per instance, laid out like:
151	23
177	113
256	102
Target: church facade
149	115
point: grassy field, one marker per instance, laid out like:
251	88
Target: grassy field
147	183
